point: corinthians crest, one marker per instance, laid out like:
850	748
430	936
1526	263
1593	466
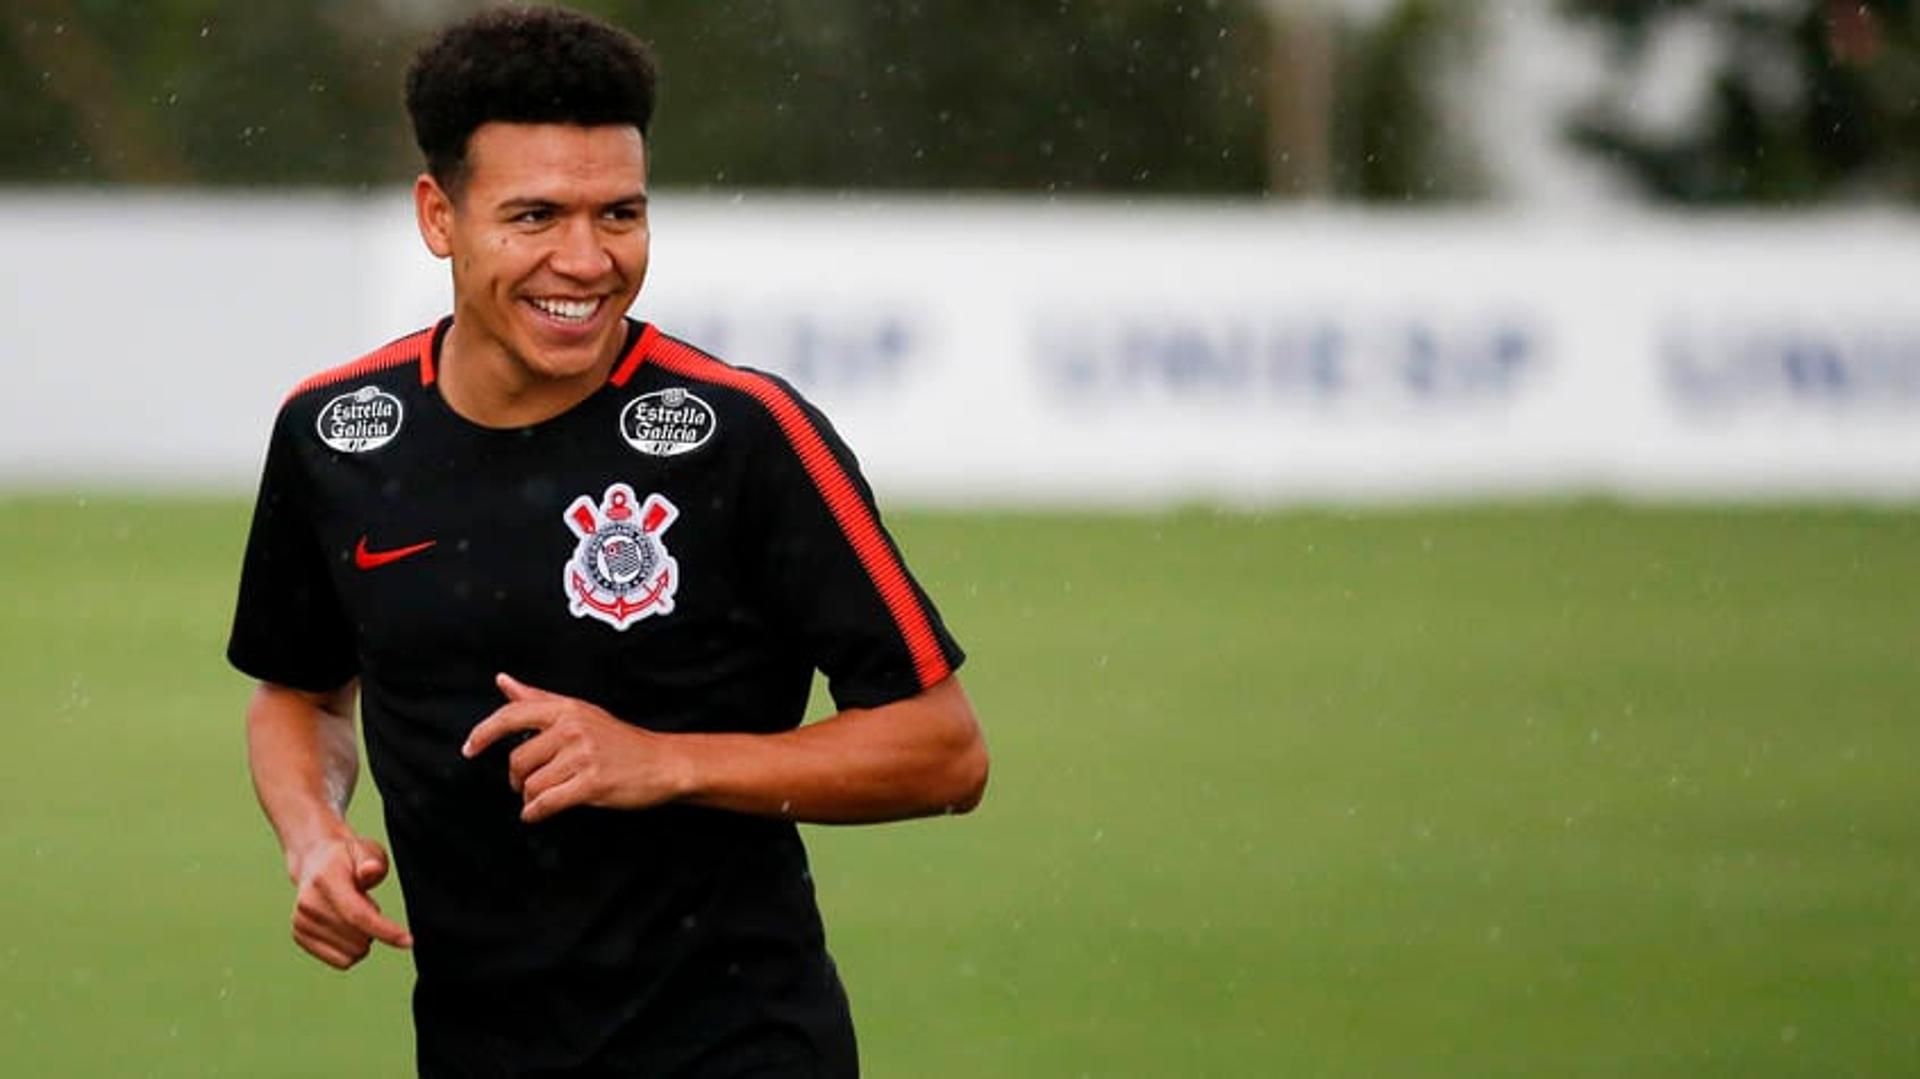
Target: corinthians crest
620	572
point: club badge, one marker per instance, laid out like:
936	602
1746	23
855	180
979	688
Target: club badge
620	572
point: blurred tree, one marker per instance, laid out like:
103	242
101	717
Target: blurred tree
1396	139
222	91
1806	100
1012	95
996	94
1358	103
1302	64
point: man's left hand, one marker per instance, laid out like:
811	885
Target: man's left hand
578	754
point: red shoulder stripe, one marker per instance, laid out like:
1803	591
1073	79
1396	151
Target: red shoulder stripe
408	349
434	338
843	499
635	356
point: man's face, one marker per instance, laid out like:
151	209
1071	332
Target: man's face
548	237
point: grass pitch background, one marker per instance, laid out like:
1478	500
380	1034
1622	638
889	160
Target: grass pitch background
1564	789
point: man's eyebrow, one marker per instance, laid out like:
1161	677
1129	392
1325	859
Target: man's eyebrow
535	202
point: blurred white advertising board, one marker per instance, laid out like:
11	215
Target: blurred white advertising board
1025	352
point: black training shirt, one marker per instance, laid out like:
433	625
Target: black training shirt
683	548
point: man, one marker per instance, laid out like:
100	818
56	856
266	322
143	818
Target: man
578	575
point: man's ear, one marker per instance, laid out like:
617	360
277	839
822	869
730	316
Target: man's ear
433	209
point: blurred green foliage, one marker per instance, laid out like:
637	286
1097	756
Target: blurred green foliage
1395	139
1001	94
996	94
1009	95
184	91
1808	100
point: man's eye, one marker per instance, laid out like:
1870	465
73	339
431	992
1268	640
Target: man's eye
623	213
531	216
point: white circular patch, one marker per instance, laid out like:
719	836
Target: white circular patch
366	419
667	423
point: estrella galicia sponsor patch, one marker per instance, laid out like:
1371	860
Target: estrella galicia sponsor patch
667	423
366	419
620	571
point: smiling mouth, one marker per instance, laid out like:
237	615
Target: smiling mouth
574	312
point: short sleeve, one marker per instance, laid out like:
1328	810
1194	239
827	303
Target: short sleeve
288	626
835	576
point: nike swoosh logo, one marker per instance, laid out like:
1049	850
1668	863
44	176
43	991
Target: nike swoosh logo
366	559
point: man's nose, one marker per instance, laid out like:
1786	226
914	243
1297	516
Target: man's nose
581	253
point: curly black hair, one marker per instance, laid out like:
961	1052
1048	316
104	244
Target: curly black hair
523	65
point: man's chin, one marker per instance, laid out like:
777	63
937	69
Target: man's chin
567	355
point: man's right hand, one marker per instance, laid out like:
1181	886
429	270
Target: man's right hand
334	918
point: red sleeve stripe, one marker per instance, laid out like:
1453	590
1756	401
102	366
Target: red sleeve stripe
427	354
408	349
635	355
843	499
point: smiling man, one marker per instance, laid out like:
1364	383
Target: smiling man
577	575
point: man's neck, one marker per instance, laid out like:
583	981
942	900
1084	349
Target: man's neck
485	385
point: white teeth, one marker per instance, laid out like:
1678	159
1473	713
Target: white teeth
571	310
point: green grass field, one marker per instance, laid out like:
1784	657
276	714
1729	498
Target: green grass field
1553	790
